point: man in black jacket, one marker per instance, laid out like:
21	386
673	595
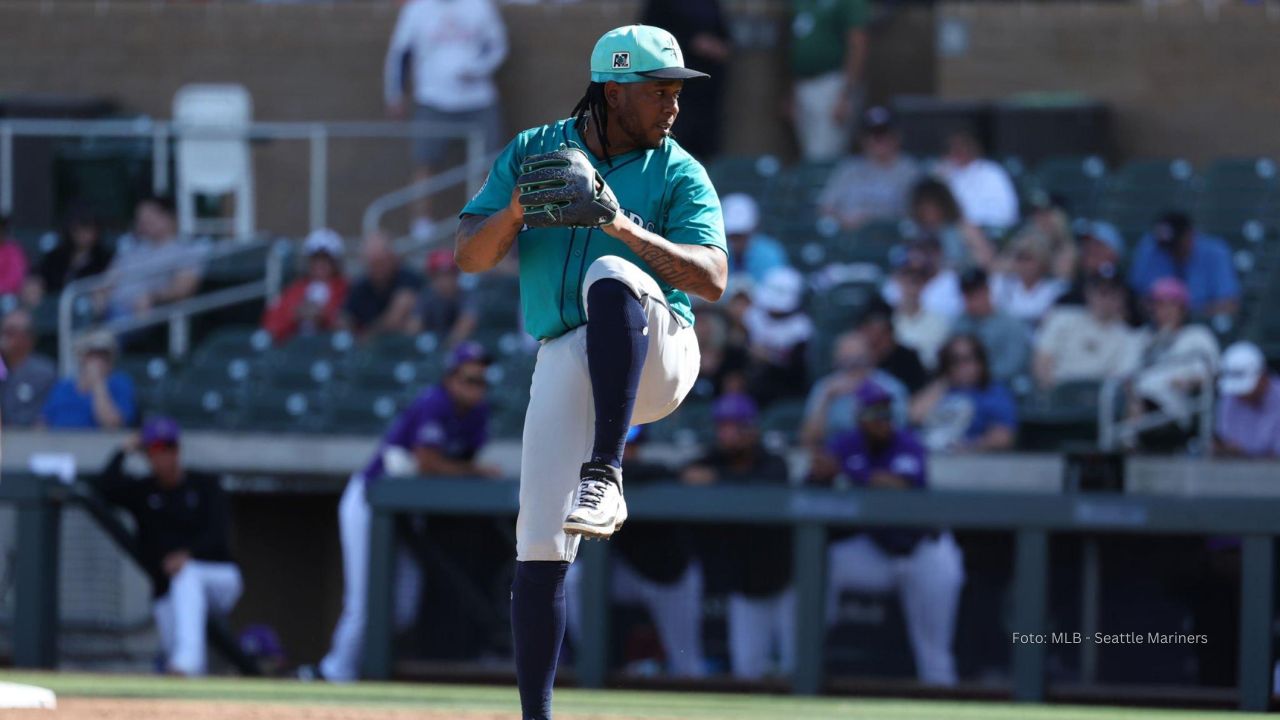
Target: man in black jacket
182	520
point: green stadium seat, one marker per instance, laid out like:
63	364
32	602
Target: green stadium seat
1062	417
393	374
198	406
359	412
1141	191
755	175
497	301
780	424
689	425
302	374
269	409
1078	180
234	341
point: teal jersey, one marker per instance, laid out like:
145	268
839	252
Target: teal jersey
665	191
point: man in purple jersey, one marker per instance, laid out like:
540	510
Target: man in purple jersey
925	567
440	433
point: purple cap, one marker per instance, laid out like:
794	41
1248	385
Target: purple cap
871	393
261	641
468	352
735	408
1170	289
160	430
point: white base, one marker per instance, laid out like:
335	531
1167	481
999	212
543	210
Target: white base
13	695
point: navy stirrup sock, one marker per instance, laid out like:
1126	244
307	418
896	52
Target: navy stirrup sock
537	626
617	341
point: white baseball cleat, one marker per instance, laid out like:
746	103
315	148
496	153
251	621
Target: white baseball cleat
600	509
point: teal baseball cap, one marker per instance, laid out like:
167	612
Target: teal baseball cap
638	53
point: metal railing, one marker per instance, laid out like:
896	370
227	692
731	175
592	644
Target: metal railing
178	314
162	132
1114	434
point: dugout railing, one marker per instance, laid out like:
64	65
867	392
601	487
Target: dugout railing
811	513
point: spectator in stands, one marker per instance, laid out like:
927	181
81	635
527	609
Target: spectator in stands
1028	289
940	289
444	306
1248	423
1100	245
875	185
383	300
654	567
1005	339
925	567
899	361
453	48
936	214
828	57
1174	248
1050	221
723	363
915	326
832	407
311	304
750	252
153	266
983	188
1091	344
778	334
13	261
183	523
965	408
80	253
98	396
757	559
439	434
702	31
30	375
1180	358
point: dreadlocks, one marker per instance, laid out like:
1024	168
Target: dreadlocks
594	107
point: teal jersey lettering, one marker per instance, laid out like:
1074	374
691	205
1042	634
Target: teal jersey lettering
665	191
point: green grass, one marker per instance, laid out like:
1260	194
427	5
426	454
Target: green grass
699	706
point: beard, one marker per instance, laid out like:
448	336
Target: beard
637	134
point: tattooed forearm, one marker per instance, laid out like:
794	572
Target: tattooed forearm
696	269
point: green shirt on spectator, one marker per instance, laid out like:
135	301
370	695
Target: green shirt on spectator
819	29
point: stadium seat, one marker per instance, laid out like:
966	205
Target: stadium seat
300	373
1141	191
755	175
361	412
269	409
497	301
1078	181
780	424
1064	416
238	340
197	406
385	373
689	425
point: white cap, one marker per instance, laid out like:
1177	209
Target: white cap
323	240
781	291
741	214
1242	365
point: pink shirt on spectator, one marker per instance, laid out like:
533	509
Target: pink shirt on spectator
13	267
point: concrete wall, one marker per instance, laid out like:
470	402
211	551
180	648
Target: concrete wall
1180	83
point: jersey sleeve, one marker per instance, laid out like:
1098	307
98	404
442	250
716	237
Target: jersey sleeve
693	215
495	193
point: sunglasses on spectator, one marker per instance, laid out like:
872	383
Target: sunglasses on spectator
872	413
476	381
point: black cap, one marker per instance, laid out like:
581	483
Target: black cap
877	119
972	279
1171	227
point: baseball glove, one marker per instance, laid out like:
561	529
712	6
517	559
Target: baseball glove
562	189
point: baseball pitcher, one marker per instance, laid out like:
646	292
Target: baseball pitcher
616	224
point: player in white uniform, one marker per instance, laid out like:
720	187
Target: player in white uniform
608	301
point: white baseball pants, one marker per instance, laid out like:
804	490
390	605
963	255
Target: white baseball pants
342	664
820	137
928	582
559	426
676	610
759	630
198	589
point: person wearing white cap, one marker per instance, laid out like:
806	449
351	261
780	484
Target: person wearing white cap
312	302
1248	422
750	252
778	333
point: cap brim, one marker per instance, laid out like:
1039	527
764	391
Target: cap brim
1242	384
674	73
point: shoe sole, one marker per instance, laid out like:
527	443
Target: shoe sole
593	532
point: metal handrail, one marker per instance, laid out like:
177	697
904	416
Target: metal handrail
1110	431
177	314
471	172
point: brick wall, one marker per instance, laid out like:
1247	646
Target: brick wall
1180	83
